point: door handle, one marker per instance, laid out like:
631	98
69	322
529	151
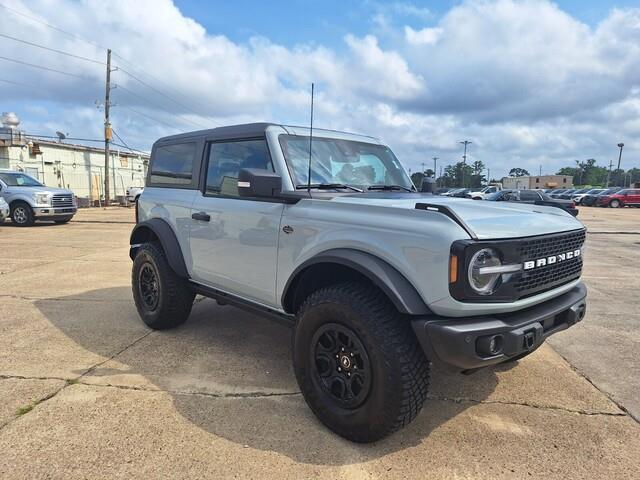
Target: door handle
202	216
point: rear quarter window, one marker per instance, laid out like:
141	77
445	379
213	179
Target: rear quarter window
173	164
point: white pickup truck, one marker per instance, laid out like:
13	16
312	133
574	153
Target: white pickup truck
133	193
482	194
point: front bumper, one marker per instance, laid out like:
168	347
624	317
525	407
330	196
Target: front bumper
42	213
463	343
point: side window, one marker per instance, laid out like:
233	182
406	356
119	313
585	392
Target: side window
173	164
227	158
528	196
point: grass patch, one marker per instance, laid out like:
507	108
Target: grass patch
26	409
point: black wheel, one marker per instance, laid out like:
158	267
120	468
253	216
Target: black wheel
615	203
163	299
21	214
358	362
63	220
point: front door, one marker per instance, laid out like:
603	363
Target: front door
233	239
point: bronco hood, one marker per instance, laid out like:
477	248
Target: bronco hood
485	219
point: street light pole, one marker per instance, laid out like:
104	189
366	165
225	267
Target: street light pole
620	145
464	158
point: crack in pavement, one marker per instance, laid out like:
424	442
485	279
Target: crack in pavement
72	381
525	404
265	394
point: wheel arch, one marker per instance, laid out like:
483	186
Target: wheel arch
348	264
159	230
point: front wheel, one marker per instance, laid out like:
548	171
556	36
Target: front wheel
358	362
615	203
21	214
163	299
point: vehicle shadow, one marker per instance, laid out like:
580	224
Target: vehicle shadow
229	373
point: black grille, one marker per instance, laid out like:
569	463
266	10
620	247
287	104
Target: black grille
64	200
544	278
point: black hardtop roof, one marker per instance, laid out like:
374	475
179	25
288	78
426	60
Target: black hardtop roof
245	130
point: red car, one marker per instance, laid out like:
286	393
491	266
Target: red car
629	196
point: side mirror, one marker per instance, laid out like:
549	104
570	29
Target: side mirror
257	182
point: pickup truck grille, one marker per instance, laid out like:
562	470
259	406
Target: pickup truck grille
62	200
550	276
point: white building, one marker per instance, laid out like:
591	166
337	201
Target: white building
76	167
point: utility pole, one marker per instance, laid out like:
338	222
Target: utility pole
464	158
540	174
620	145
107	130
423	168
609	173
488	176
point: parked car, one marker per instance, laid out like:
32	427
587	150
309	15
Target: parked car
441	191
486	191
590	200
133	193
594	191
4	210
568	195
460	193
376	279
29	200
559	193
534	197
622	198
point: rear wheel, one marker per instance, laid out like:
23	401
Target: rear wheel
21	214
358	362
163	299
615	203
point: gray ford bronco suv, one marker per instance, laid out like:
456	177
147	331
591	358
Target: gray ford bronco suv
376	278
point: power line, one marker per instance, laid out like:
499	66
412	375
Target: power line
157	106
80	57
159	92
124	143
83	77
53	27
152	118
19	84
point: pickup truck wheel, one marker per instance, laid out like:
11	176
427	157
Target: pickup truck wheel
163	299
21	214
358	363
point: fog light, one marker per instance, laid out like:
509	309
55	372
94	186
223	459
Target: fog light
490	345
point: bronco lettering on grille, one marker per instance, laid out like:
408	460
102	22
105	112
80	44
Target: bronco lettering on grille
542	262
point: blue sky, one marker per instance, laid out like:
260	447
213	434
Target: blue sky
531	83
327	21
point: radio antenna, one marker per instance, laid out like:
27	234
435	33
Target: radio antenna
310	144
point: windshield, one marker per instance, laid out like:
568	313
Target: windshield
342	162
19	180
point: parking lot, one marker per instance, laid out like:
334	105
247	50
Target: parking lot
87	391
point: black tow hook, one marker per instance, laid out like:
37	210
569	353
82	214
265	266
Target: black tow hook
529	340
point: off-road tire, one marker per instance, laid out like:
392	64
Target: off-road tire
21	214
399	368
615	204
63	220
174	297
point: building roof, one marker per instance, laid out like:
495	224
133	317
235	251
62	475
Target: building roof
84	148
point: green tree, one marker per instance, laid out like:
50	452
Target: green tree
453	175
417	177
518	172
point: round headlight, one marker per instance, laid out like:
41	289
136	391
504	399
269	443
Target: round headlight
482	282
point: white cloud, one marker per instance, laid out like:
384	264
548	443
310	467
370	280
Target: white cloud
425	36
523	80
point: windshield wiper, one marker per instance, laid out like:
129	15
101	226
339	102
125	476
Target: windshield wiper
328	186
389	187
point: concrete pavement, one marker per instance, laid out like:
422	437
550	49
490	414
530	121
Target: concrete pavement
87	391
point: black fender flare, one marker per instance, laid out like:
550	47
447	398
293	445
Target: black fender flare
387	278
167	238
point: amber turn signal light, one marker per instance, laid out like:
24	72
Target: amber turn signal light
453	269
